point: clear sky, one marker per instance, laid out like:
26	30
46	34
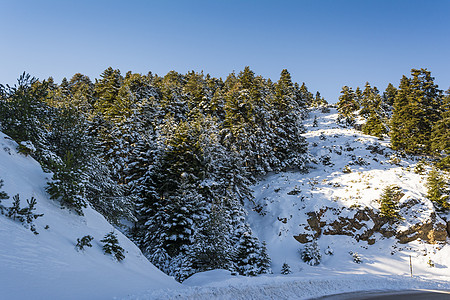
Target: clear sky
326	44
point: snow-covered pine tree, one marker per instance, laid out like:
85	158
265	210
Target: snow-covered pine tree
66	185
85	241
247	254
264	260
285	269
3	196
111	246
311	253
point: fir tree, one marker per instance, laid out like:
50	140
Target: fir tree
416	108
264	260
347	105
85	241
106	92
440	138
437	190
285	269
111	246
3	196
311	254
247	255
388	202
66	186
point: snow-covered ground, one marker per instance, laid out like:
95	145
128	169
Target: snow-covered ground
47	266
285	198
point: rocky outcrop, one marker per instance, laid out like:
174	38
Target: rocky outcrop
362	224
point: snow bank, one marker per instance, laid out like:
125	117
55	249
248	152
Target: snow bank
289	287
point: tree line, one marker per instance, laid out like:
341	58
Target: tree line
415	115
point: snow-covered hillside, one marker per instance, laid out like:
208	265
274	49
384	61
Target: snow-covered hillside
336	203
47	265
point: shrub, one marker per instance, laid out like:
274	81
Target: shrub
85	241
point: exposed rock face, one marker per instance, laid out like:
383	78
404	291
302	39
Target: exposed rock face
363	223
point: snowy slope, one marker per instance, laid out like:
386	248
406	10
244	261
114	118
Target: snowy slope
47	266
285	199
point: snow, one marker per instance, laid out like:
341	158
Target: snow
47	266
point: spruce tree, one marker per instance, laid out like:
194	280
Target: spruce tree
285	269
3	196
440	137
416	108
111	246
347	105
438	190
389	202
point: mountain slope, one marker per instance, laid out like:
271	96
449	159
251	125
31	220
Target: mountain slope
47	265
339	208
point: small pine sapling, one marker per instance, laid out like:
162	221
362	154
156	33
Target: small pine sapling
285	269
111	246
329	251
24	215
315	122
85	241
311	254
356	258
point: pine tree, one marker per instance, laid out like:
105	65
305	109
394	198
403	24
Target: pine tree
311	253
438	190
264	260
440	138
416	108
106	92
347	105
285	269
111	246
247	255
66	186
389	96
388	202
85	241
3	196
24	114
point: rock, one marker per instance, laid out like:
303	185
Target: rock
435	230
365	222
304	238
448	228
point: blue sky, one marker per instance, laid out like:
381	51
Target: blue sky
326	44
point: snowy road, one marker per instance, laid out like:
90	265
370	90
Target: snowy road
392	295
